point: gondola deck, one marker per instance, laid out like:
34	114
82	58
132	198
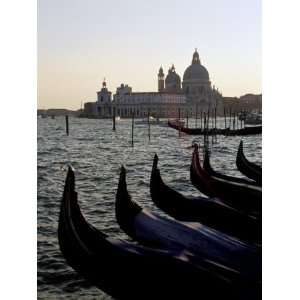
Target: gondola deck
151	229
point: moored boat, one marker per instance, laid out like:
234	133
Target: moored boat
208	168
253	130
246	167
208	211
154	230
243	197
128	271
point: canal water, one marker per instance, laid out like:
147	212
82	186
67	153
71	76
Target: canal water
96	153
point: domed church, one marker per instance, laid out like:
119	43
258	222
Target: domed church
196	85
191	95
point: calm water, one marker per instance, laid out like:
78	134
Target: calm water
96	153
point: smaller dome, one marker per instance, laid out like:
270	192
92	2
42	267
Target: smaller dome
172	76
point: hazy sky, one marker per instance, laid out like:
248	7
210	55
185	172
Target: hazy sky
81	42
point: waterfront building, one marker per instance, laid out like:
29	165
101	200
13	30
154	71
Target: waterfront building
193	93
247	102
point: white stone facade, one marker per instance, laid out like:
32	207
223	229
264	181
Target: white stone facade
157	104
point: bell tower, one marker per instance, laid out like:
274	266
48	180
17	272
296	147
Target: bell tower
161	80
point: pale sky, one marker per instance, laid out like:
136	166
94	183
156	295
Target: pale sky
82	41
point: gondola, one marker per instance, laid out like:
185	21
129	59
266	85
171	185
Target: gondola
128	271
242	197
153	230
253	130
196	131
208	168
246	167
248	130
211	212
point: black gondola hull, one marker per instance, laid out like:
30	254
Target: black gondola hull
128	271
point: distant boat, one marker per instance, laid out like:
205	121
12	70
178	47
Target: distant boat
152	121
44	116
52	117
251	118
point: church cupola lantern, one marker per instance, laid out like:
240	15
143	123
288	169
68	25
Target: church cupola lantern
196	59
104	83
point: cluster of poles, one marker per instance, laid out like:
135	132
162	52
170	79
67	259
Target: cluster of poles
208	121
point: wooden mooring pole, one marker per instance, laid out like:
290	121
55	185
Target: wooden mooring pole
132	128
225	118
187	119
179	124
215	123
206	128
149	124
207	121
196	116
241	116
233	121
67	125
114	119
201	119
215	117
230	118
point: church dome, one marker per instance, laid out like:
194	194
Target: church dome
196	70
172	76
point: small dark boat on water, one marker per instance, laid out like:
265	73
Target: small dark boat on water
246	167
195	131
210	212
248	130
157	231
243	197
208	168
217	131
128	271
